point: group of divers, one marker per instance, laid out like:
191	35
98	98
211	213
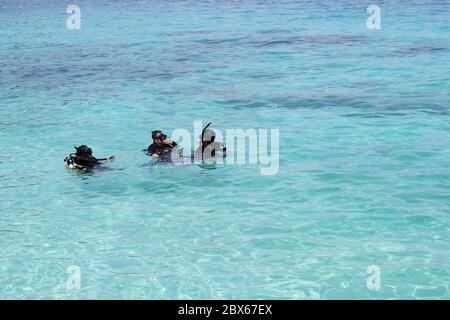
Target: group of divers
162	148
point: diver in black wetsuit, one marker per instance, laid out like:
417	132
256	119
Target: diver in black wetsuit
208	147
83	158
161	146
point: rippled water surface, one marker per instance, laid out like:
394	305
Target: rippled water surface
364	176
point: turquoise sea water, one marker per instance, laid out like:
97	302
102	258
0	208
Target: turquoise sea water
364	175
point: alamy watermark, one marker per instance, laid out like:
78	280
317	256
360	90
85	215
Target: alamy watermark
74	279
374	278
73	22
374	20
234	146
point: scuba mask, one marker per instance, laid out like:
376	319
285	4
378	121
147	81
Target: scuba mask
158	135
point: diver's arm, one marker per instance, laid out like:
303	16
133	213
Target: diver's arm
110	158
151	150
170	142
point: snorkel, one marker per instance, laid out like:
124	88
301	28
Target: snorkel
203	133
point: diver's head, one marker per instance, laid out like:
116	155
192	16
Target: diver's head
158	137
83	151
208	137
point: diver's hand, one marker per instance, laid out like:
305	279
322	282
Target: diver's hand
167	141
111	158
155	155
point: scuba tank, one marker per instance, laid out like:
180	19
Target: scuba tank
70	160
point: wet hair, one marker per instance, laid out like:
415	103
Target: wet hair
83	151
158	133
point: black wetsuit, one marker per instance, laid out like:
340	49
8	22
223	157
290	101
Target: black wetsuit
84	161
162	150
209	149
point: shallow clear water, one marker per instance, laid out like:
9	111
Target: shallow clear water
364	173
